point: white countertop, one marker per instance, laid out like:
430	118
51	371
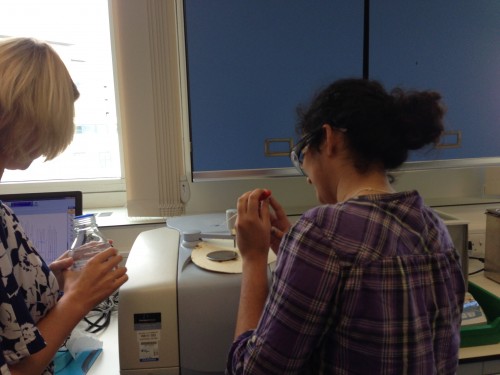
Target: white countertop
474	214
108	362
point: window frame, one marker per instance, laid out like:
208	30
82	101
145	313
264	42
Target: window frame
98	192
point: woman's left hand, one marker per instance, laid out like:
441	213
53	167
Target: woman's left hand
253	225
59	266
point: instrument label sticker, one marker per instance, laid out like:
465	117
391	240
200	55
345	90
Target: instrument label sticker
147	327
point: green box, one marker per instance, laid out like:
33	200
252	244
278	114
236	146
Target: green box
483	334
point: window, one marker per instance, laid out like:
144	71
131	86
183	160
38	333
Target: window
79	30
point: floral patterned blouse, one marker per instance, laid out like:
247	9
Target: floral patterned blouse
28	291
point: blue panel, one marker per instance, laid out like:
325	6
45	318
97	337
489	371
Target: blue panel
250	63
449	46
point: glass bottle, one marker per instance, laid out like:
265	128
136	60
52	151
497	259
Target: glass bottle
88	240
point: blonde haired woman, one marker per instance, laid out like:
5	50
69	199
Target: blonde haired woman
37	99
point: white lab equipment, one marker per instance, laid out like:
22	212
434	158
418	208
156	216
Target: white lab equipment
176	317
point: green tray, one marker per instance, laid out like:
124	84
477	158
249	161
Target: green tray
483	334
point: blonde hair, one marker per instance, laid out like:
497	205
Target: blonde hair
37	99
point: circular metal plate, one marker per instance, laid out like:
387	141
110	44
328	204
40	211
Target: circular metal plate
222	255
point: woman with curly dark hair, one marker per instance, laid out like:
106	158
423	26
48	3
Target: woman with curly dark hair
368	282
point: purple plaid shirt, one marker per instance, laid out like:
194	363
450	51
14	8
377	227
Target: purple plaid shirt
372	285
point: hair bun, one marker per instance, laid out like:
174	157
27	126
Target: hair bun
420	117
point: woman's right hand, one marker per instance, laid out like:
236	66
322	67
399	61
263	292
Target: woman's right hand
97	280
83	290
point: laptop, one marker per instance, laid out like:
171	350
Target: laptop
47	219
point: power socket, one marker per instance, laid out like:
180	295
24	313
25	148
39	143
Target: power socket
476	244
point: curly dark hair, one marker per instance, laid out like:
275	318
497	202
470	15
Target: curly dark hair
380	127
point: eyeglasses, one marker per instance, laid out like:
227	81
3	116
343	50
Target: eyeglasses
297	153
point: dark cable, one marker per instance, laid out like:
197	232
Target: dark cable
479	270
473	273
100	316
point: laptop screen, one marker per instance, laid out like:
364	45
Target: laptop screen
47	219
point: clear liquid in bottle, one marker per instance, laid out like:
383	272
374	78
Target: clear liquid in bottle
88	240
